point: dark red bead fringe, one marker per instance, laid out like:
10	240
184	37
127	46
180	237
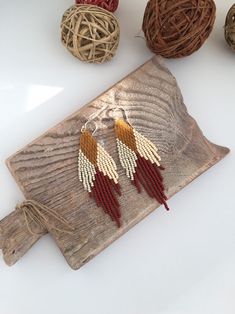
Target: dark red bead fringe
109	5
104	194
148	175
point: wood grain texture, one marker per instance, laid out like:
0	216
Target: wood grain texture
46	170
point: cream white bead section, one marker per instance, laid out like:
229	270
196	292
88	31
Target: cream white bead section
127	158
106	164
86	171
146	148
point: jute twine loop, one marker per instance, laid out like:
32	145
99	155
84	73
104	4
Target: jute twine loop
90	33
40	215
177	28
229	29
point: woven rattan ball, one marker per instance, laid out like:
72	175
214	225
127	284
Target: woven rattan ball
110	5
229	29
90	33
176	28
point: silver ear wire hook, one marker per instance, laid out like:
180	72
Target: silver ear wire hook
92	120
124	115
84	127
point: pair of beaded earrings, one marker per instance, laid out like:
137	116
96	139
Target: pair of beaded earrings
98	171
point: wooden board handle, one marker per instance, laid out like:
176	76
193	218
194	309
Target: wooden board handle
15	238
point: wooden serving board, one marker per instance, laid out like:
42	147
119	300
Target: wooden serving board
46	169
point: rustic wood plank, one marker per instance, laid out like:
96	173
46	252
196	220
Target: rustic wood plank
46	170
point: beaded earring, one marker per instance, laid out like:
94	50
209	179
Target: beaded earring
140	159
98	173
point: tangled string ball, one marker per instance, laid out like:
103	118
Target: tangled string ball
177	28
229	29
90	33
110	5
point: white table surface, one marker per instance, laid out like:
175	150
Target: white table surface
182	262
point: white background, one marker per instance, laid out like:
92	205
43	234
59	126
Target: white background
179	263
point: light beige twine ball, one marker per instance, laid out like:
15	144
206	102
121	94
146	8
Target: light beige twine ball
90	33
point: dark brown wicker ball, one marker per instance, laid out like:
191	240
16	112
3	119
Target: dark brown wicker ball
229	29
177	28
